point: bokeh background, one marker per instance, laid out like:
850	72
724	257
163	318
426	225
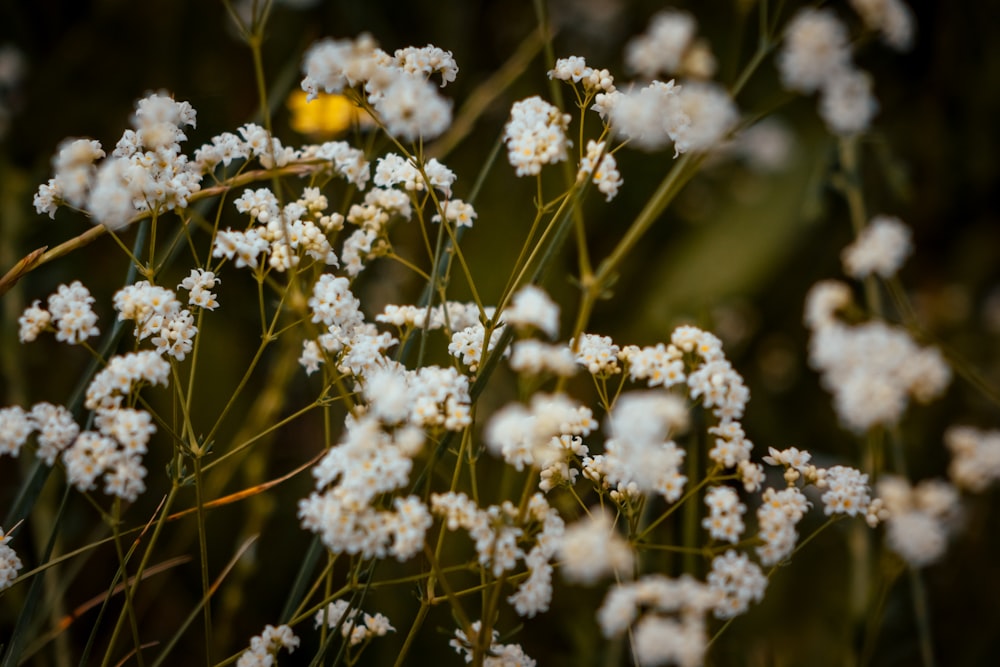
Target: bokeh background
736	253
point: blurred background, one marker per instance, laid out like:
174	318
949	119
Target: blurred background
736	253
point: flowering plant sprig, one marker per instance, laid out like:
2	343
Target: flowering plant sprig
469	452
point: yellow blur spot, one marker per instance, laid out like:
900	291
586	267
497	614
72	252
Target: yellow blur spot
325	116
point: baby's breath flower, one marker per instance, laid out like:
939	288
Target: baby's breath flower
10	564
660	365
32	322
500	655
591	548
725	519
732	448
524	435
531	307
425	61
975	462
458	212
15	427
332	65
700	116
661	48
535	135
738	581
598	354
672	629
117	379
846	491
779	513
815	49
573	68
467	344
56	429
535	593
74	319
265	646
199	284
411	108
533	357
605	173
921	518
846	102
881	248
639	115
892	18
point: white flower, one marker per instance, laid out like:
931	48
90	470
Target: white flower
530	307
10	564
975	462
660	49
738	581
815	49
880	248
604	174
15	427
846	102
411	108
591	548
890	17
921	518
535	135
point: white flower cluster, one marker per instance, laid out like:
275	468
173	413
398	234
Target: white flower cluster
69	310
777	516
640	450
199	285
921	518
602	168
871	368
672	629
738	582
398	88
732	450
535	135
531	435
146	172
114	450
158	314
265	646
591	548
638	454
286	234
532	308
500	655
497	535
341	614
816	56
467	345
355	344
575	70
368	462
881	248
668	46
695	117
975	462
713	380
454	315
533	357
10	564
598	354
892	18
725	514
